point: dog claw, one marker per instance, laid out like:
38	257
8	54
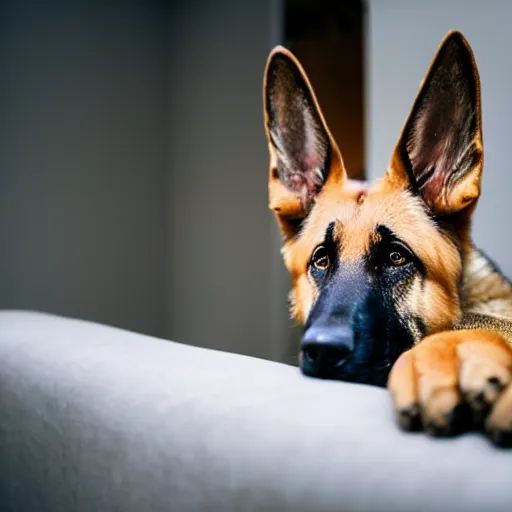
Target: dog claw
479	405
479	401
436	430
496	384
451	425
501	438
409	418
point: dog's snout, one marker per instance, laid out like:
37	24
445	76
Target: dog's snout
325	349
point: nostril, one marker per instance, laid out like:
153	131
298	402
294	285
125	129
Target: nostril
332	357
324	355
310	354
335	356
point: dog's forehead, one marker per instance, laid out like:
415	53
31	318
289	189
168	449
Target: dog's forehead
357	218
345	206
357	209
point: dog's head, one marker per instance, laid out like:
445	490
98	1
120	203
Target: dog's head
374	267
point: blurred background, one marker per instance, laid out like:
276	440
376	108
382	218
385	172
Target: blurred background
133	161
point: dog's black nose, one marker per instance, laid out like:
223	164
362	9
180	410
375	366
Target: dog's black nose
325	350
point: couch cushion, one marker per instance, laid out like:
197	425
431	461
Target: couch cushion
94	418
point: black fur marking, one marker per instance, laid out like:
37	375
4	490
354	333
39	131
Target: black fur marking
387	238
329	232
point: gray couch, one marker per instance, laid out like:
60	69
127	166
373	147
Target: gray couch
94	418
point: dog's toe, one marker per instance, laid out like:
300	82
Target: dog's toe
483	375
442	412
499	422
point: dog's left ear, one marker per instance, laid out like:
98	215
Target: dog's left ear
440	150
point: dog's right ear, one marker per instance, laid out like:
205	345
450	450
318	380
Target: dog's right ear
302	151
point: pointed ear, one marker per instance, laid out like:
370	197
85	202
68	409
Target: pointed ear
440	150
302	151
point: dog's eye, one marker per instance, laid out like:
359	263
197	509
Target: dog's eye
320	259
397	258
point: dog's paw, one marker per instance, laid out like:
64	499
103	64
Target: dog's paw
455	380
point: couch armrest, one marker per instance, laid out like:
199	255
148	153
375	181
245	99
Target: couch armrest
94	418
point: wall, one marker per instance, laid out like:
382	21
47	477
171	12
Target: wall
133	182
402	37
83	160
227	285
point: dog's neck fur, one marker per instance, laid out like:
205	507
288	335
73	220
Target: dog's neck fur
485	291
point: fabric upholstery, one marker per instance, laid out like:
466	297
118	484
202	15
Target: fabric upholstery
94	418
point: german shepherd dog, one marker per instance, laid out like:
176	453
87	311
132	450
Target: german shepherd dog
385	277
